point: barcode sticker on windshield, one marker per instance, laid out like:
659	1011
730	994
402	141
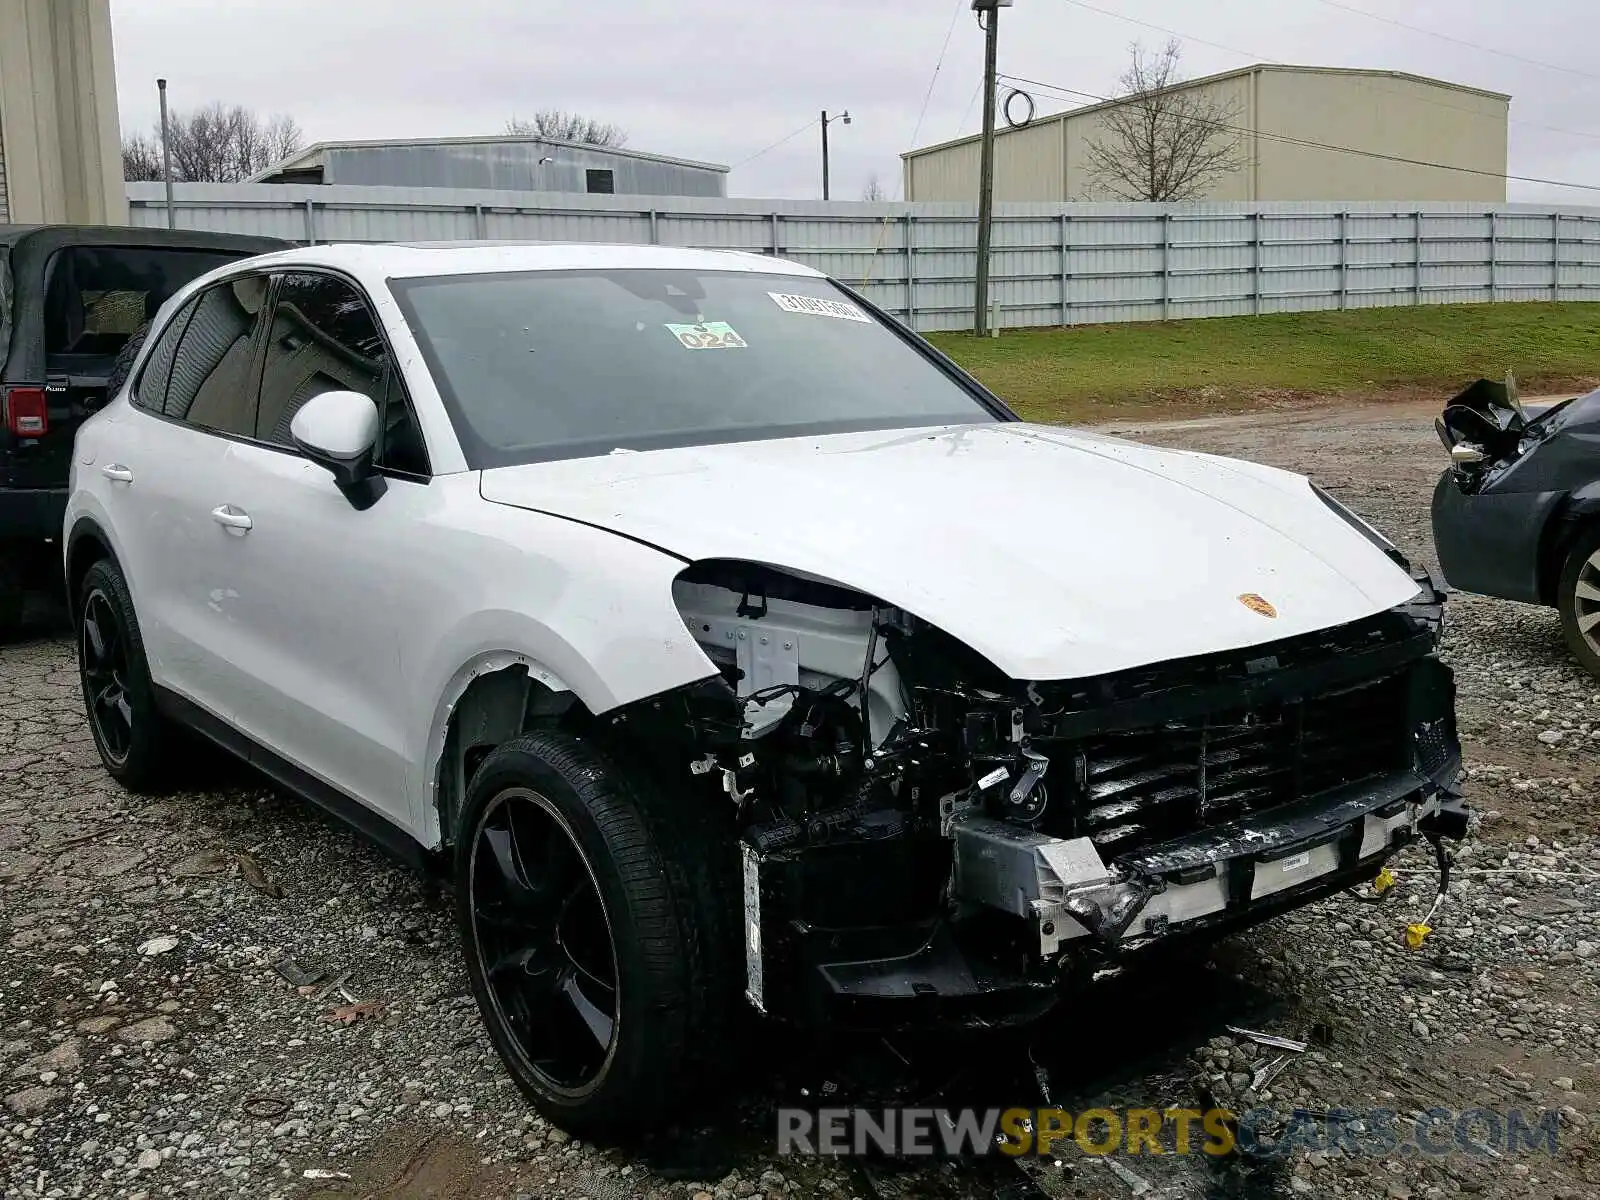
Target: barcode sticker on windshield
819	307
711	335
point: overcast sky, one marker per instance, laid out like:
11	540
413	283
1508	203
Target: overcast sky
721	83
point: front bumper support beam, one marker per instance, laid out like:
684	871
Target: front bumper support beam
1064	887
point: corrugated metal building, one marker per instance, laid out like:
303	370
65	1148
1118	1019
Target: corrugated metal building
505	163
59	155
1302	133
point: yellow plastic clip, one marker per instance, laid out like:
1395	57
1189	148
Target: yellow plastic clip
1415	935
1384	881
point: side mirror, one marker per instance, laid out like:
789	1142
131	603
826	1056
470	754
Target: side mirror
338	430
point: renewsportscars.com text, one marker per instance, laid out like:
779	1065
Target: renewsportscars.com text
1260	1132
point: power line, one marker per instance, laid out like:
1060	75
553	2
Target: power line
975	93
1268	60
1183	37
775	145
883	228
937	67
1445	37
1064	92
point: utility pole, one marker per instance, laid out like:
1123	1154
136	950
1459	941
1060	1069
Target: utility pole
845	117
166	155
824	154
989	16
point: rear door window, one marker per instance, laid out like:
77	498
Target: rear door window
150	389
212	380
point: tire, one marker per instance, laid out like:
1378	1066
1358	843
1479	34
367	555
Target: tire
134	738
527	912
123	363
1578	598
12	596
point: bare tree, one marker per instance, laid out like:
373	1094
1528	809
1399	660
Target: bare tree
141	158
259	144
562	126
874	189
1163	140
214	144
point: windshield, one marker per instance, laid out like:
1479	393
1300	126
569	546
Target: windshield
555	364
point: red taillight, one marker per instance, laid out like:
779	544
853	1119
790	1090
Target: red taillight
27	415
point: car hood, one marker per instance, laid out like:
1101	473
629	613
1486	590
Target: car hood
1056	554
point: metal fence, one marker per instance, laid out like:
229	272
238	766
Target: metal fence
1053	264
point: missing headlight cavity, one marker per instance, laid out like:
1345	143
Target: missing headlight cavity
915	826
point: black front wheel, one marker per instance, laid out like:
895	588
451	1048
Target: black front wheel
133	738
586	935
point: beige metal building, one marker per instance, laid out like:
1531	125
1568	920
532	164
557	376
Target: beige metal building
1289	119
60	148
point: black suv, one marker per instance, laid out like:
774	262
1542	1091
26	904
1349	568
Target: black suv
74	303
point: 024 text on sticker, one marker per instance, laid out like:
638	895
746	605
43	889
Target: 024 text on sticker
711	335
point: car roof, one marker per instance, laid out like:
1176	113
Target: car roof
25	254
48	238
401	260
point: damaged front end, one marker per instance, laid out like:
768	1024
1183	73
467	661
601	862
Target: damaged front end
923	841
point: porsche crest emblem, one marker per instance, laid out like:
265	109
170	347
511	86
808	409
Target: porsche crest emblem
1258	604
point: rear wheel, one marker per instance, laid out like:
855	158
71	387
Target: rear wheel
12	595
1579	600
589	944
133	738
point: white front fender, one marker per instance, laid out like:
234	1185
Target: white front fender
584	610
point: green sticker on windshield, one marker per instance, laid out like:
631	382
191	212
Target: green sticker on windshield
712	335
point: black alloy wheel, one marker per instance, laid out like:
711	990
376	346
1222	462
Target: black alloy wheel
134	739
103	653
596	940
545	941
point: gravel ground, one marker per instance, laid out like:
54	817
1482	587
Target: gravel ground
149	1046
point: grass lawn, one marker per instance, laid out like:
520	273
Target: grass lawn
1091	372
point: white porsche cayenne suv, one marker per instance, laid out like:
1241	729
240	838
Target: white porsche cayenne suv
726	644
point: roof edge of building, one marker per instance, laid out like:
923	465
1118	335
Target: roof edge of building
315	154
1218	77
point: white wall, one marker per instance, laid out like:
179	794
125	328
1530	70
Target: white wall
1402	118
58	113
